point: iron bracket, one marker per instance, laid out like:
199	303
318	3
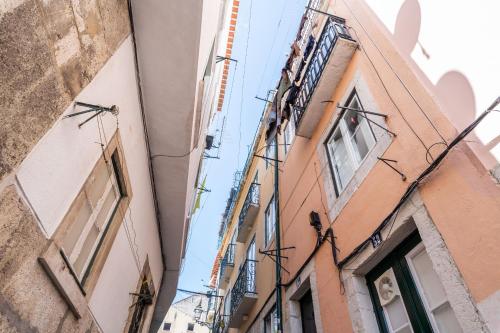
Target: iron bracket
267	158
363	114
386	162
221	58
98	109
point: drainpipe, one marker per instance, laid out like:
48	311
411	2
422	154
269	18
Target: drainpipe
279	309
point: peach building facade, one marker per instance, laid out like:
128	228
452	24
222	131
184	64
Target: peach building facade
388	183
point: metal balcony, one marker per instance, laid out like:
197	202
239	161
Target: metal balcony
227	265
328	63
248	212
243	294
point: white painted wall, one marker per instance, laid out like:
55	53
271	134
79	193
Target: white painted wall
179	321
453	45
56	169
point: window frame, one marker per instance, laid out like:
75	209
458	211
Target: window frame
340	125
269	233
429	311
268	152
289	133
413	303
268	318
88	281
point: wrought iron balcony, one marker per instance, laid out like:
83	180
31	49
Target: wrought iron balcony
248	212
328	63
243	294
227	265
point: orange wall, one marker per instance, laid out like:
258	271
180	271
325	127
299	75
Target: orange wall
460	195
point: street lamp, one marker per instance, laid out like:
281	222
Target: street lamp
197	312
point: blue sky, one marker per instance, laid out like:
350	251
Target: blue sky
270	30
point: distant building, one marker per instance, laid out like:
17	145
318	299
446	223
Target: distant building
191	314
382	202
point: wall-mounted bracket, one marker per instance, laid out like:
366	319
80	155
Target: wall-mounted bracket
267	158
262	99
98	109
272	255
364	113
386	162
221	58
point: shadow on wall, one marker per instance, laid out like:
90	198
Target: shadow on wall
453	89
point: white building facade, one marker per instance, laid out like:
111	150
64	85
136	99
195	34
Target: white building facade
102	142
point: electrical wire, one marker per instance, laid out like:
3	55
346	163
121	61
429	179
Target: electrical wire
174	156
395	73
272	46
414	185
102	135
387	91
243	82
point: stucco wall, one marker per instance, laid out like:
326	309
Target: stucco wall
461	196
49	179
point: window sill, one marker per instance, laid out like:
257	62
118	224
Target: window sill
60	274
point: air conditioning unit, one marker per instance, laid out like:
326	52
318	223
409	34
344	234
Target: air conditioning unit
387	287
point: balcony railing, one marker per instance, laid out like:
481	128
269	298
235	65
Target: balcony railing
248	212
227	264
333	32
244	293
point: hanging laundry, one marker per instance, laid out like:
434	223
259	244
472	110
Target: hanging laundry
295	52
301	26
309	46
275	115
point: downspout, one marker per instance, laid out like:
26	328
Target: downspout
279	309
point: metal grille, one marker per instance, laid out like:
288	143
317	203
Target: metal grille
251	199
245	284
228	258
334	28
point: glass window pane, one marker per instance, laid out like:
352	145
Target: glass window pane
359	130
396	313
86	250
340	159
431	285
446	320
106	209
77	224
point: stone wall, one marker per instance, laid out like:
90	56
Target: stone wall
49	51
29	302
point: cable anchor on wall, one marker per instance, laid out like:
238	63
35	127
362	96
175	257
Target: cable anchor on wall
272	255
386	162
98	109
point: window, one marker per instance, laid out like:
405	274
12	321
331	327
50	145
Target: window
92	212
407	294
271	321
190	327
431	291
270	221
166	326
289	133
269	152
349	143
